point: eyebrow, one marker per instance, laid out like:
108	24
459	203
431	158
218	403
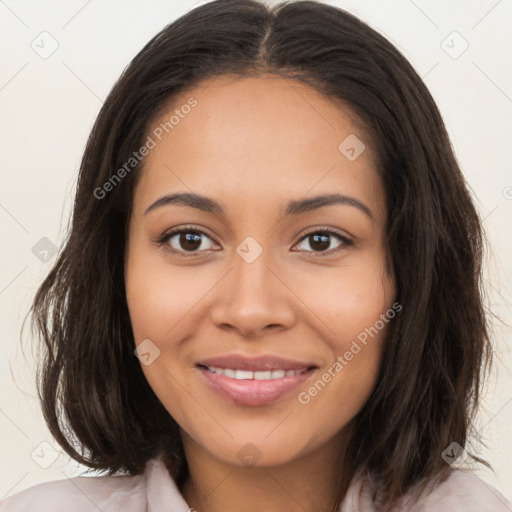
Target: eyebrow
296	207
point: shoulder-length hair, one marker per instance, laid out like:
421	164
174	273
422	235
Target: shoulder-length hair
95	398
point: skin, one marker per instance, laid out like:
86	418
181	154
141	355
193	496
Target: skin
254	144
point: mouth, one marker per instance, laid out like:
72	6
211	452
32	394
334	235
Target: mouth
257	375
254	381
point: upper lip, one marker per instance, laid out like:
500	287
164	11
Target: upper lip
260	363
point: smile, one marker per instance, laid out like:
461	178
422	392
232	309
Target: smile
254	388
249	375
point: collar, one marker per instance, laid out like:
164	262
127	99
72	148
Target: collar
162	491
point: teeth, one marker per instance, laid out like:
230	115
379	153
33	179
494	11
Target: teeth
243	374
263	375
259	375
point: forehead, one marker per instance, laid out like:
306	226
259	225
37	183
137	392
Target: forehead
256	137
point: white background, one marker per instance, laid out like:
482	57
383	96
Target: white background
47	109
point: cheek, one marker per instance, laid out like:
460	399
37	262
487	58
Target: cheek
355	308
349	299
160	296
160	299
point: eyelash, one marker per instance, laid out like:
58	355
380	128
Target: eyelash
164	238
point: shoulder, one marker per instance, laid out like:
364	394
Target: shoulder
463	490
81	494
460	490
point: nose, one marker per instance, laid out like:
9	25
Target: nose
253	298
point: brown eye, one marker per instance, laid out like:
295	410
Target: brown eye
187	240
320	241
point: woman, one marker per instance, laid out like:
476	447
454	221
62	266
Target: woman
269	298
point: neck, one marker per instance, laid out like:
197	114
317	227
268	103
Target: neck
313	481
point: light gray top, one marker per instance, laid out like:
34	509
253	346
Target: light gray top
156	491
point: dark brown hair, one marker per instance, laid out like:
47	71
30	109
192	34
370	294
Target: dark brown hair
95	398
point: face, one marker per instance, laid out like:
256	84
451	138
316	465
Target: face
260	308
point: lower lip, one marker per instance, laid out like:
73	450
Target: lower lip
253	392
